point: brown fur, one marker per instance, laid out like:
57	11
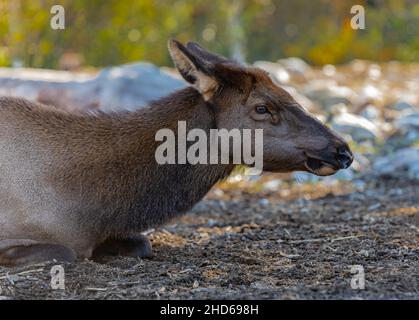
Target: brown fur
95	170
79	179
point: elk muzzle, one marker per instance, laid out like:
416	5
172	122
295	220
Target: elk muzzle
329	160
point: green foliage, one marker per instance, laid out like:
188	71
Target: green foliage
114	31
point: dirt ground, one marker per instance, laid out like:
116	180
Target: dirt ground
296	243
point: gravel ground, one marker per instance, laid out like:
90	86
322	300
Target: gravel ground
299	243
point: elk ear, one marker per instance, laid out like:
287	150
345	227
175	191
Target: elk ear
196	49
193	69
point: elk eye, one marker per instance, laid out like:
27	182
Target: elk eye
261	109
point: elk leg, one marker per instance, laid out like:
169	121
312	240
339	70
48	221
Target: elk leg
138	246
21	252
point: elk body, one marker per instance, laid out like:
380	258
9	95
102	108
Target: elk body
79	185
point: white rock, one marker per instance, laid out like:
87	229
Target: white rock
272	185
360	163
408	127
134	85
328	94
305	102
374	71
263	202
358	127
277	71
403	160
123	87
295	65
345	175
329	70
370	112
408	121
371	92
304	177
401	105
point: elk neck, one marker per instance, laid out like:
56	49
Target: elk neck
148	194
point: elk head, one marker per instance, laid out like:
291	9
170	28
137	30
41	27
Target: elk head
246	98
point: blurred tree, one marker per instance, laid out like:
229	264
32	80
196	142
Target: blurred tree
114	32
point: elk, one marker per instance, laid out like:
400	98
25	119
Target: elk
85	185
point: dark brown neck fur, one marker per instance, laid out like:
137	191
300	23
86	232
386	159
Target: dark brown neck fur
114	174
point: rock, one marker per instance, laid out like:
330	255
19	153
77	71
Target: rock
364	253
48	86
277	71
401	106
361	163
370	112
263	202
261	285
374	71
329	70
305	102
343	175
405	160
212	223
408	129
359	66
358	127
295	65
124	87
272	185
134	85
337	109
370	92
305	177
360	185
328	95
408	121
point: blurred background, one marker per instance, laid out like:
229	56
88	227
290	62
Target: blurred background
103	33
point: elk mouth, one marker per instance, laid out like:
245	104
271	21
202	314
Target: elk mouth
320	167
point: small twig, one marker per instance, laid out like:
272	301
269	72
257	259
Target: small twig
289	256
345	238
333	249
323	239
116	284
20	273
306	240
184	271
95	289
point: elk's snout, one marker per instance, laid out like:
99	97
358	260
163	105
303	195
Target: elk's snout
329	160
344	156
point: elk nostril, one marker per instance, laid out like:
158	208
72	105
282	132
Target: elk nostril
344	157
342	150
